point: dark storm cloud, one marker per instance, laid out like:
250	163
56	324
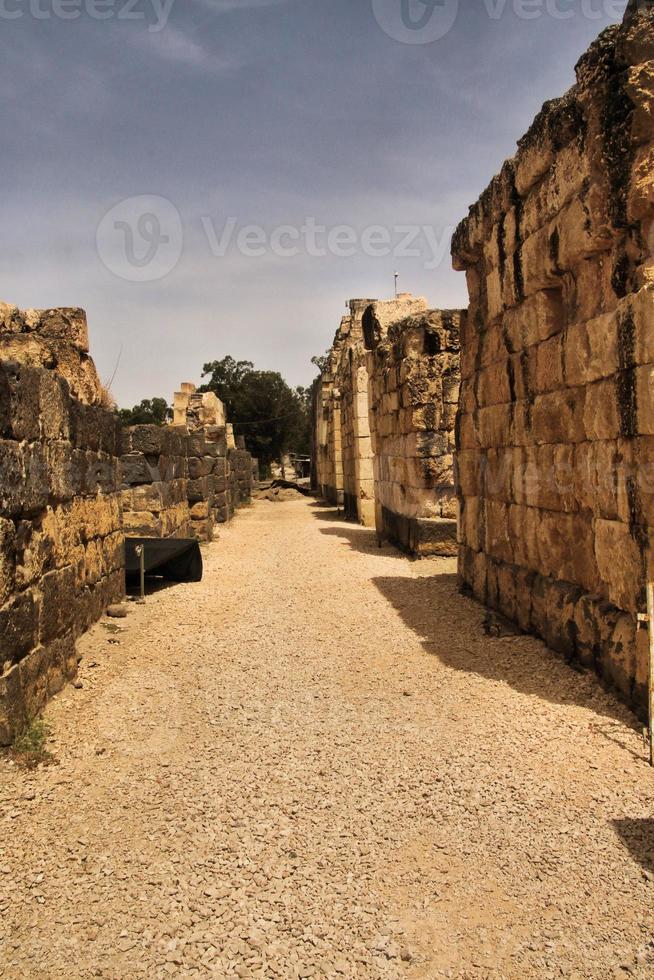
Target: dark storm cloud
267	113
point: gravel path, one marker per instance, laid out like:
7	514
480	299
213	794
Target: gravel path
315	763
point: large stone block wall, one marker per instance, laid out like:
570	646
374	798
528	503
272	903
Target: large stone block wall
62	550
154	469
556	422
341	462
413	370
356	445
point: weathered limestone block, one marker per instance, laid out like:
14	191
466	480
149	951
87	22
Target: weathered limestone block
556	412
53	339
219	470
196	410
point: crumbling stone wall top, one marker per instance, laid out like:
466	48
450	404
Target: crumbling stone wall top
197	410
380	315
56	339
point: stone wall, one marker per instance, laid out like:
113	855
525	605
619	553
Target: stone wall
62	554
356	445
54	339
413	370
240	462
341	451
326	441
220	472
154	470
556	424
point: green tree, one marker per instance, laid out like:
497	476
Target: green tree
273	417
151	411
321	360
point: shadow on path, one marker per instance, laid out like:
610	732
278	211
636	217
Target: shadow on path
450	627
361	539
637	834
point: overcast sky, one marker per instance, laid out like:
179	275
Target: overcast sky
223	114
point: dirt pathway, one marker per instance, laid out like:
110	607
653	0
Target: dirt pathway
314	764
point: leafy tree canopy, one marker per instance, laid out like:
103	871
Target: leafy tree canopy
151	411
273	417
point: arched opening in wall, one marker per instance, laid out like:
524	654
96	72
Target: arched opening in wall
368	324
432	344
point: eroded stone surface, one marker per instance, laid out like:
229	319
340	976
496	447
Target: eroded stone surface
413	369
61	535
56	339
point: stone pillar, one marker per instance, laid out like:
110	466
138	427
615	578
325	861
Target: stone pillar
352	383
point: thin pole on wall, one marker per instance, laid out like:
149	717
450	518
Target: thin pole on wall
396	278
650	673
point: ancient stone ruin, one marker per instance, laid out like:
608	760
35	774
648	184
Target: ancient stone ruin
384	411
73	484
155	467
219	471
556	413
543	386
57	340
62	555
413	367
555	420
327	447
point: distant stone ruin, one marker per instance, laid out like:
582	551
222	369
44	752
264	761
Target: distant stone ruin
413	367
556	417
155	473
327	444
384	411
